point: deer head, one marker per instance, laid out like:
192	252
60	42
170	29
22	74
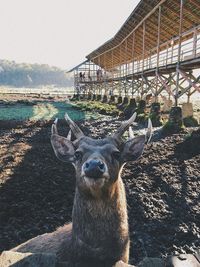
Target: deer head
98	161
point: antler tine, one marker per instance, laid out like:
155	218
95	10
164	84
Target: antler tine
69	136
75	129
54	127
124	126
149	131
131	134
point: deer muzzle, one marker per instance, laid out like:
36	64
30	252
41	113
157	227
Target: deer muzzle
94	168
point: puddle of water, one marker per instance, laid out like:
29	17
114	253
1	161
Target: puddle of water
43	111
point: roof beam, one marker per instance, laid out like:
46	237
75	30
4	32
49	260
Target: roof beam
154	24
195	3
177	13
138	25
164	34
194	15
169	29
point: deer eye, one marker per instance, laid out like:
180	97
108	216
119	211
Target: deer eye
78	155
116	154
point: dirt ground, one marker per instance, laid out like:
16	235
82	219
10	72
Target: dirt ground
163	188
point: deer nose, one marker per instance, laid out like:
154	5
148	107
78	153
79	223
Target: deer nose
94	168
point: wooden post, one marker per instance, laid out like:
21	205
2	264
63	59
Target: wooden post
194	43
126	65
167	53
89	72
133	51
126	51
179	51
104	82
122	63
93	72
143	45
133	59
143	49
112	68
75	81
120	68
172	53
104	69
158	52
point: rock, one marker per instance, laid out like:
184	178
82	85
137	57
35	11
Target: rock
130	109
16	259
187	110
124	104
155	114
175	122
151	262
119	100
94	97
98	97
89	96
167	105
112	99
183	260
62	264
141	107
122	264
105	99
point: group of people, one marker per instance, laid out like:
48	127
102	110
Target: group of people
99	75
82	76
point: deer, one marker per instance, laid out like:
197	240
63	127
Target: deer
99	232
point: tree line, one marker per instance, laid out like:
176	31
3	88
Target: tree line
32	75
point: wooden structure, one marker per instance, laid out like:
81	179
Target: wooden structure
155	52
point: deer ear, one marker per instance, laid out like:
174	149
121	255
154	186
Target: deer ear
63	148
133	148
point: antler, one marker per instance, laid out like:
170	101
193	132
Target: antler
124	127
69	136
128	123
75	129
54	129
149	131
131	133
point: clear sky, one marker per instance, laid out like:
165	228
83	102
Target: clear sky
58	32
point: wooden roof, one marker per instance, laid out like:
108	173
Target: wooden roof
121	48
78	66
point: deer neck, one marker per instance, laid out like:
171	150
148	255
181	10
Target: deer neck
105	216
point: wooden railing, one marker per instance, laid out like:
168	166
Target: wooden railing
169	54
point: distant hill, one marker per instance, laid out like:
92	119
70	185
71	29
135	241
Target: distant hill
32	75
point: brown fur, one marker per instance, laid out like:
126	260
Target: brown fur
99	233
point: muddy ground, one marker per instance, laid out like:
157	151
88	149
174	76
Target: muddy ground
163	189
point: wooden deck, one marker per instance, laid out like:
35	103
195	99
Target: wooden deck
156	51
